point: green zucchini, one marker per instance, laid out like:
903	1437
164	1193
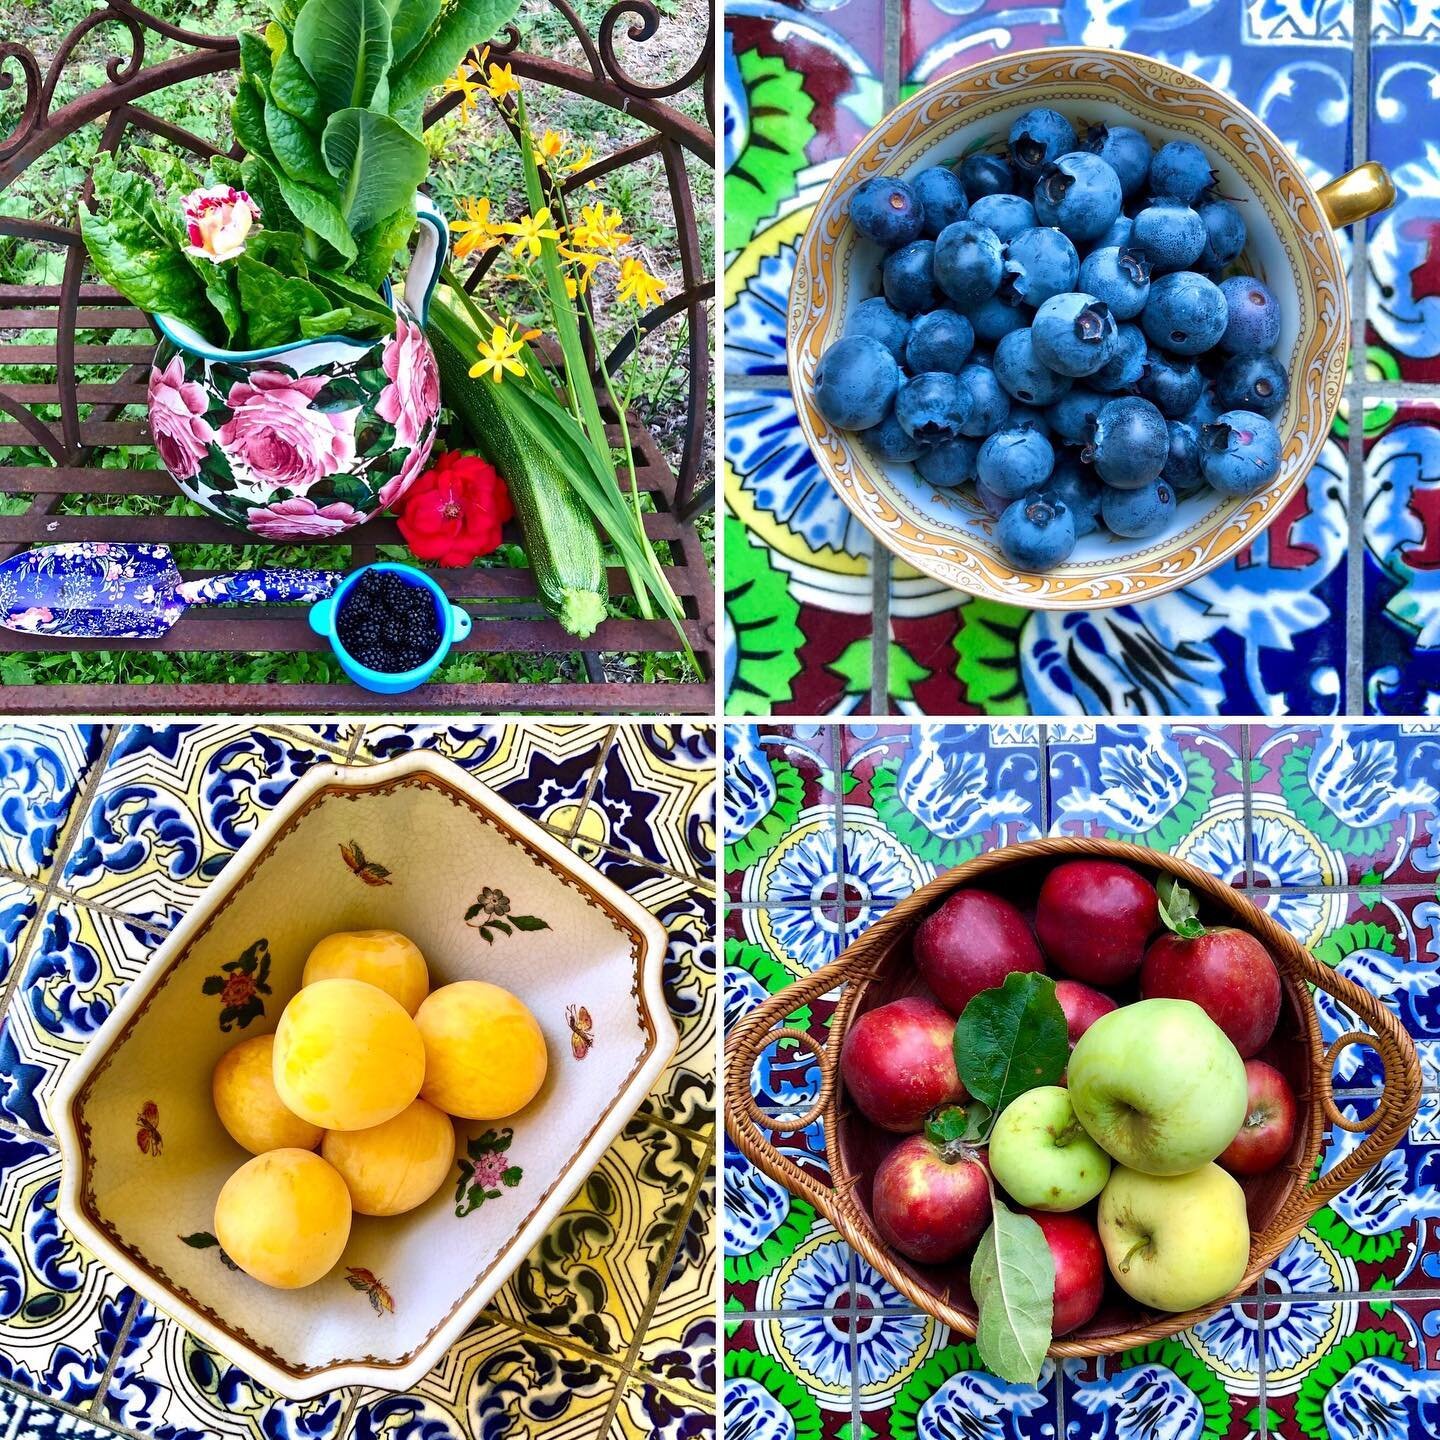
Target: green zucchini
560	539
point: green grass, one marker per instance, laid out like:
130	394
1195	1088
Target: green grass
471	159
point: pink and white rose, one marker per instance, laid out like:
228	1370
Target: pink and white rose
412	398
299	518
274	434
394	488
217	221
177	419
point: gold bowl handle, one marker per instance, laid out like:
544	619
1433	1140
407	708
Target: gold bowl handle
1358	194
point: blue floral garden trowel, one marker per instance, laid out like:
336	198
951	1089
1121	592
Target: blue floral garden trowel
131	592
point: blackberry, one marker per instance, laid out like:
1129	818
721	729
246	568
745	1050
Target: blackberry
387	623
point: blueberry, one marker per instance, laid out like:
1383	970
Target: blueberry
939	340
1239	452
908	277
1038	137
1131	443
1185	313
887	211
942	198
1254	316
1181	170
995	318
987	175
968	258
1252	382
1023	374
892	443
1182	468
932	406
1126	151
1006	215
1076	487
1029	415
881	321
988	404
1207	408
1072	416
1122	371
1224	234
1079	194
1118	234
855	381
1013	462
995	505
1039	263
1036	532
1118	276
1171	383
1073	334
1137	514
1170	235
950	463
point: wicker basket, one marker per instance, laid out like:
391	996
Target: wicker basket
876	969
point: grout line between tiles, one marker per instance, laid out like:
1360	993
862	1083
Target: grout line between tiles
353	748
1247	803
612	735
65	1407
97	1405
347	1417
13	1127
880	631
1043	741
1260	1380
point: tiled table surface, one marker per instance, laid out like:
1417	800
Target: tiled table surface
1333	830
1336	609
107	834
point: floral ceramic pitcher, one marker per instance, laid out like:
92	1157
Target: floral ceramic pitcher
302	441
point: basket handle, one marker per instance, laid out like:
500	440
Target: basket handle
1399	1096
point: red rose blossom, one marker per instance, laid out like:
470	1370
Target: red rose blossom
454	511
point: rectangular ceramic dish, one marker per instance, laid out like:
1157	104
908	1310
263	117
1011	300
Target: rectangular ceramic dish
418	846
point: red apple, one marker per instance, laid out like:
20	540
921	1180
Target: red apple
898	1062
1079	1268
1082	1006
971	943
1269	1124
1093	918
1228	973
931	1201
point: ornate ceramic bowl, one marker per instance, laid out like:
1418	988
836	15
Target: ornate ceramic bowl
1292	247
415	845
303	441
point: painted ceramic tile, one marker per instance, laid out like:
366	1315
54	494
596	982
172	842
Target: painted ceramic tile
80	964
496	1381
685	1091
42	767
168	1384
589	1280
173	805
60	1311
678	1349
649	1412
800	1365
1402	598
17	909
24	1418
543	770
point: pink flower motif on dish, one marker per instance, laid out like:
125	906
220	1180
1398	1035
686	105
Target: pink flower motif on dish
412	398
35	619
177	419
393	489
488	1170
300	518
276	437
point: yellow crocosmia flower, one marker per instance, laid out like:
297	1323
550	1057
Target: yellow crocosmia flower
530	231
599	229
499	354
638	284
585	258
477	231
581	161
467	89
551	145
574	287
501	82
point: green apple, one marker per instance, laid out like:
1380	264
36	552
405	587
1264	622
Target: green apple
1159	1085
1175	1242
1040	1153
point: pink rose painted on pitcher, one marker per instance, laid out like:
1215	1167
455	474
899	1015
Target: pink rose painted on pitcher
177	417
300	518
411	400
276	433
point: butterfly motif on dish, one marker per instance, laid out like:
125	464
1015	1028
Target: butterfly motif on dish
370	1285
370	871
148	1136
582	1030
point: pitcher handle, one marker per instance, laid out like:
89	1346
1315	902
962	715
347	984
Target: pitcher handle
1357	194
431	252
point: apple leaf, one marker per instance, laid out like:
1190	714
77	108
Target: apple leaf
1178	909
1013	1281
1011	1039
957	1127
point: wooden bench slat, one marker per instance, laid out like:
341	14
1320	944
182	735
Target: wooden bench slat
84	354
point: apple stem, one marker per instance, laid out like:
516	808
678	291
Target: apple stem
1072	1131
1131	1253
